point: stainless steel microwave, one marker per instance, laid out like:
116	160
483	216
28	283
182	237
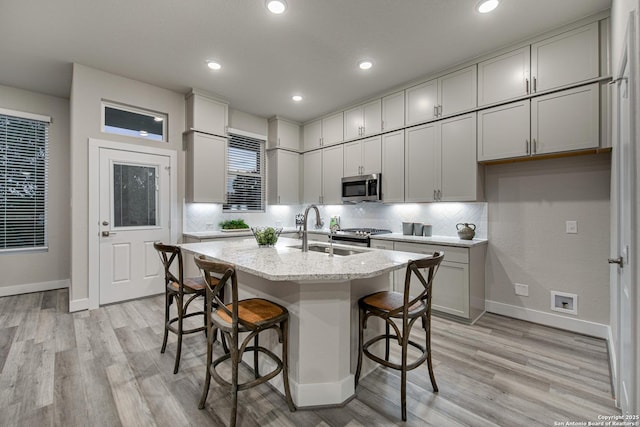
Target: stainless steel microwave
362	188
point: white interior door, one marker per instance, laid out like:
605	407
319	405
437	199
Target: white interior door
626	288
134	212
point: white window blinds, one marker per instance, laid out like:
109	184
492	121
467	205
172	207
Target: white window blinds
245	174
23	183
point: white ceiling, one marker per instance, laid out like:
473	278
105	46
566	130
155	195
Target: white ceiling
312	49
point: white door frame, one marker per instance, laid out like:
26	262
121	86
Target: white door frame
94	194
630	59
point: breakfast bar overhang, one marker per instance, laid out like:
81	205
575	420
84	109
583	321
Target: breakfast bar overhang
321	293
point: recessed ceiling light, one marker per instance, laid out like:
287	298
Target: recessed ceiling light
276	6
214	65
365	64
486	6
297	98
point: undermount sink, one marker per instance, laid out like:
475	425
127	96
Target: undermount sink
314	247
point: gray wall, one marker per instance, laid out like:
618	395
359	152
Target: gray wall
528	205
53	265
89	87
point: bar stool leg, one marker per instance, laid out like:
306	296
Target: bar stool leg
403	379
285	364
255	357
360	343
167	304
235	361
386	348
428	348
207	380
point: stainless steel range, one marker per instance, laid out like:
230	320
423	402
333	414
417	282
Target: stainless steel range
357	236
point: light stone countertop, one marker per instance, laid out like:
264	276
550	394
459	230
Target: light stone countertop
432	240
218	234
283	263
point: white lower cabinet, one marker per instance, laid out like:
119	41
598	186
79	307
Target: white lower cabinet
458	288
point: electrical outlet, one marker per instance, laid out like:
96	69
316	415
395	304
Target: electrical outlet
571	227
522	290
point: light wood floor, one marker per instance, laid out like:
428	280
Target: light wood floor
104	368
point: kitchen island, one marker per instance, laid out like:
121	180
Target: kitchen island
321	294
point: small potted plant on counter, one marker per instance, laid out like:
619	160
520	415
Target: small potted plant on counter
234	224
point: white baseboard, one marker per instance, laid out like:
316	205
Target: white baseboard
585	327
33	287
78	305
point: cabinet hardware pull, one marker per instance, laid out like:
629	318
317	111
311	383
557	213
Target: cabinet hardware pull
278	199
526	86
440	110
434	195
439	194
381	124
535	84
535	146
526	146
321	141
435	111
278	141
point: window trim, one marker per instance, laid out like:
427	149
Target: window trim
47	120
137	110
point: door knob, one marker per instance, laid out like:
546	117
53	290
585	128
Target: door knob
107	234
616	261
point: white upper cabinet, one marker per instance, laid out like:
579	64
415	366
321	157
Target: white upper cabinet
332	159
363	157
450	94
567	58
566	121
422	102
284	176
420	163
393	167
206	163
283	134
312	133
312	177
363	120
504	77
503	132
332	132
393	112
205	114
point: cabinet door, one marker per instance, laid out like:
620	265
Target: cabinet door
503	132
332	129
451	289
312	135
207	168
393	167
353	122
285	189
288	135
504	77
206	115
565	121
372	117
332	173
459	169
567	58
352	159
421	102
371	155
458	91
392	112
420	163
312	182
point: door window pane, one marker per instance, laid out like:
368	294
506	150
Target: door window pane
134	195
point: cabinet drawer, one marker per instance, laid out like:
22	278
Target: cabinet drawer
451	253
382	244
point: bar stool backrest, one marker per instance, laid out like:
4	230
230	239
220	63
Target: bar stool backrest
414	267
168	255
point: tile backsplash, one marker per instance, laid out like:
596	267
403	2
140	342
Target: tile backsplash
442	216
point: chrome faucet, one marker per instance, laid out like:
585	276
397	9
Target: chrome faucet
305	240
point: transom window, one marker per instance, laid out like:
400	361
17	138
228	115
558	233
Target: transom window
245	174
24	153
131	121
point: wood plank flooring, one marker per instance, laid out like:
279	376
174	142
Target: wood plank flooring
104	368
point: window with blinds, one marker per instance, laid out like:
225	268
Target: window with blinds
23	183
245	174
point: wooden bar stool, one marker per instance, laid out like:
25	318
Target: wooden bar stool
251	316
388	306
184	291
